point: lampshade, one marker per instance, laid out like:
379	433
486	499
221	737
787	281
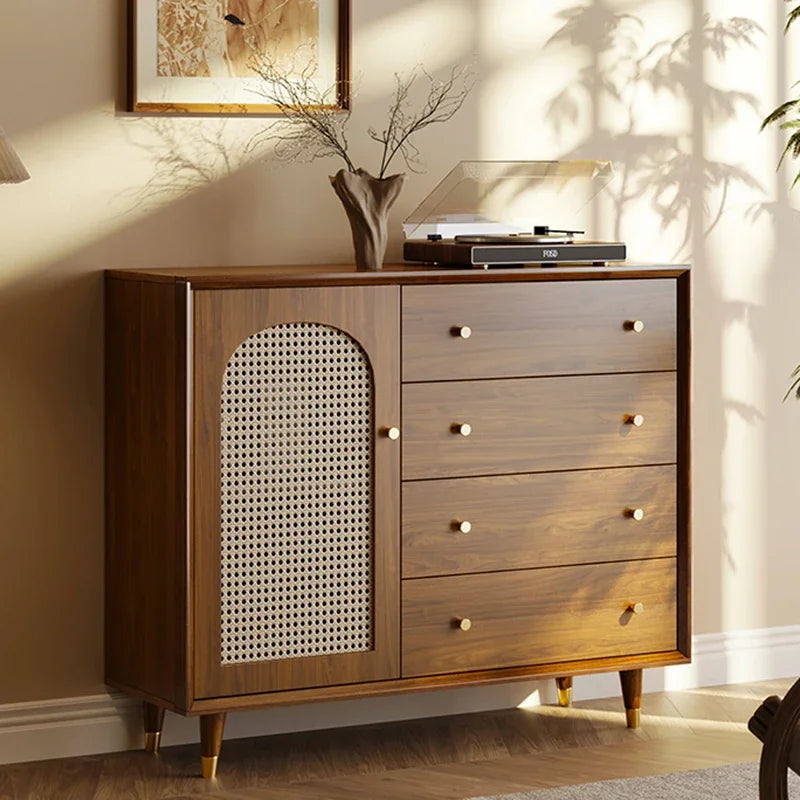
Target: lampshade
11	168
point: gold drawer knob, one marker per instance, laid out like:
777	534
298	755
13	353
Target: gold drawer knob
637	420
464	527
463	623
392	433
635	325
636	608
462	331
462	428
635	513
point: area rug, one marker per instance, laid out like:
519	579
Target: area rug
734	782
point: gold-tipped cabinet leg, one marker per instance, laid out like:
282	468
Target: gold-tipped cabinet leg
212	726
208	765
631	680
633	716
564	686
153	724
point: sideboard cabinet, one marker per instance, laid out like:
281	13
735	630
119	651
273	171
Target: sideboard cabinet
323	483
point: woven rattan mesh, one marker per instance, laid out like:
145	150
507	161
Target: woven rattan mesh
296	479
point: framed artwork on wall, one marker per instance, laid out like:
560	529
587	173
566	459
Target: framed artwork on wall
198	57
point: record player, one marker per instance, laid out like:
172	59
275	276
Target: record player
498	214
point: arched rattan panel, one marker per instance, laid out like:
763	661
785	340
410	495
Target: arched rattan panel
297	457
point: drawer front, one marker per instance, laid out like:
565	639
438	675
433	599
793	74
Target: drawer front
522	521
537	424
516	330
538	616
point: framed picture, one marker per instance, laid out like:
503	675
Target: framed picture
197	56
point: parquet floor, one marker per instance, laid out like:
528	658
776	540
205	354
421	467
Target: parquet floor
446	758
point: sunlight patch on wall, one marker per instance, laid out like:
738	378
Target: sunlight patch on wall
738	173
93	174
743	487
584	80
520	76
435	34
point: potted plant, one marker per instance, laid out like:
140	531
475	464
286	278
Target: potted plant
311	126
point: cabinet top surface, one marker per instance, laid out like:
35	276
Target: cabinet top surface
346	274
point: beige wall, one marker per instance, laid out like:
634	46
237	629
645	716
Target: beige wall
89	205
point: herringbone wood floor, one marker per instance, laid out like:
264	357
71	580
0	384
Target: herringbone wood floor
447	758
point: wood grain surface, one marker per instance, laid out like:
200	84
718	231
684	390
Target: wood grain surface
537	329
537	424
547	519
293	275
224	319
538	616
146	590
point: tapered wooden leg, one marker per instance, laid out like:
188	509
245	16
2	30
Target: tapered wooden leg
212	727
564	686
631	680
153	725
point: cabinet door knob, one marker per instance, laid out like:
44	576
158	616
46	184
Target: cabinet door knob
635	513
391	433
463	623
464	527
636	608
635	325
463	428
637	420
462	331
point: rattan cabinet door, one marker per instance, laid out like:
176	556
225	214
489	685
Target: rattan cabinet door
295	488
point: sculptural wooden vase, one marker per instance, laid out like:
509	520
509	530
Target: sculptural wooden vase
367	201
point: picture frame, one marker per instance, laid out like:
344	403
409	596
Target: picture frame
192	57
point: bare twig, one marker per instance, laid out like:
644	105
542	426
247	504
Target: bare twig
444	99
312	126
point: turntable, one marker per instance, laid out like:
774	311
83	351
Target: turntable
492	214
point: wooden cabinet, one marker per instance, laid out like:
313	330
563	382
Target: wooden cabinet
329	484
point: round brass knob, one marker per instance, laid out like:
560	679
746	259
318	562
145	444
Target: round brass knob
635	513
635	325
392	433
636	420
462	331
464	623
636	608
463	428
464	527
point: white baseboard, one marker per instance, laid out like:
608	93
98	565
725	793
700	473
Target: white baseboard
112	722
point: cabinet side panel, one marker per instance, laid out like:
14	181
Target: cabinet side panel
146	586
684	465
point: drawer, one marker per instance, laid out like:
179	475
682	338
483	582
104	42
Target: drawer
537	424
524	329
538	616
551	519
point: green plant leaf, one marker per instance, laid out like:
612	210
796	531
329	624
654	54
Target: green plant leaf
794	15
792	146
781	111
795	376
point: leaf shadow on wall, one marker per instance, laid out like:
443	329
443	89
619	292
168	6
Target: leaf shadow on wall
624	77
648	103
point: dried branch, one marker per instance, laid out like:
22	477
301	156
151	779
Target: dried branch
444	100
312	125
